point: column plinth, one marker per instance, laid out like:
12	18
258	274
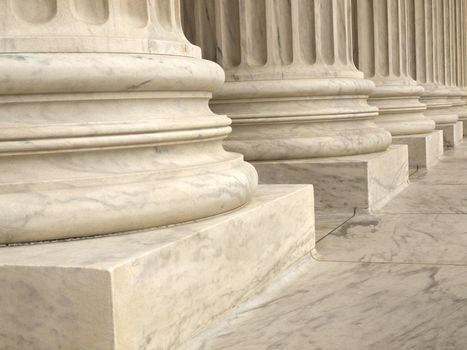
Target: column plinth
292	90
106	128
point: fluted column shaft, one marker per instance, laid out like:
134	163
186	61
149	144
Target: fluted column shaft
449	69
383	47
463	50
291	88
429	56
104	121
455	44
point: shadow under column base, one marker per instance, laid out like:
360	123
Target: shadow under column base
366	181
424	150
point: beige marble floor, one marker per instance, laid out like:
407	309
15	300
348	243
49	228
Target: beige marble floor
394	280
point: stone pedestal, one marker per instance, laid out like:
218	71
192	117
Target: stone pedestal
292	89
152	289
453	134
366	181
426	150
383	55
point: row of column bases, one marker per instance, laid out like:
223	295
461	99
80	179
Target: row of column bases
108	129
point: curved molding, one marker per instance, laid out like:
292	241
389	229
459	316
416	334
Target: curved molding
79	73
401	111
301	118
111	204
306	87
116	142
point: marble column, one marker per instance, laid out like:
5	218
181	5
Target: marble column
455	96
104	122
297	102
384	56
460	51
428	57
463	53
105	129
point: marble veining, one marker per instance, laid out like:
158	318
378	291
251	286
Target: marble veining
151	289
360	181
354	306
400	238
394	279
420	198
118	141
290	94
425	224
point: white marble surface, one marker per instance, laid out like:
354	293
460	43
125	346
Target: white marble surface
100	143
327	220
435	233
290	95
128	26
425	224
387	281
105	125
352	306
420	198
385	61
452	134
446	175
400	238
362	181
424	150
152	289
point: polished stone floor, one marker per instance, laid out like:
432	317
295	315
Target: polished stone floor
393	280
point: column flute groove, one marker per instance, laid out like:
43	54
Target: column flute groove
386	58
396	95
433	65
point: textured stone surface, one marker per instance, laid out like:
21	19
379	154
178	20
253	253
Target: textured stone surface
429	230
354	306
152	289
105	124
424	150
383	55
289	92
432	55
387	281
452	134
364	181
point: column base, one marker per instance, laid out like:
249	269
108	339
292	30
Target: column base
452	134
424	150
365	181
151	289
